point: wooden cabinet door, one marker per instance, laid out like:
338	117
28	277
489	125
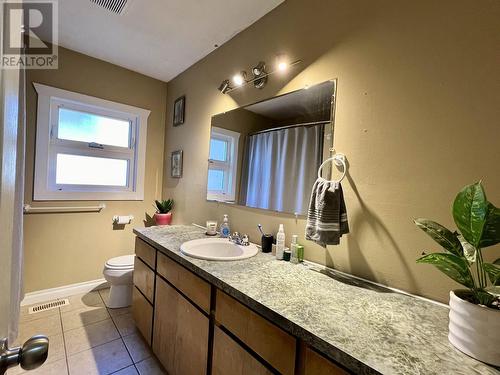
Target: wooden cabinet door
229	358
192	286
180	337
146	252
270	342
144	279
142	311
313	363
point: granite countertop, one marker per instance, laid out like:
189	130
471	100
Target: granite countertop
366	328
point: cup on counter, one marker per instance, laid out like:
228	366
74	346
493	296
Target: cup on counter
287	254
267	243
211	228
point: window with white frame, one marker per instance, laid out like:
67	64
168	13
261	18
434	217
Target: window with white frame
88	148
222	165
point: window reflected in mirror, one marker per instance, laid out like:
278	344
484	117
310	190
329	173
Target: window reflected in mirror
222	165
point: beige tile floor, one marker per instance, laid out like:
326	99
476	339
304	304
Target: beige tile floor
87	338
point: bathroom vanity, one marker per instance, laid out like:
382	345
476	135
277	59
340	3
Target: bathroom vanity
263	316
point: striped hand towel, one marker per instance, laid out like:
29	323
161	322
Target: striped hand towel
327	215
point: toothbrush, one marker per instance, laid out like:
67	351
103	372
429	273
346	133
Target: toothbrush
260	229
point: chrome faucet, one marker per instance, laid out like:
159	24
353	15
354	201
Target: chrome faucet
238	239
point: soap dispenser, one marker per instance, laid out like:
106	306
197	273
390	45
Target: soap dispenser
225	231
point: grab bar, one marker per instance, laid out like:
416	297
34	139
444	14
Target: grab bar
28	209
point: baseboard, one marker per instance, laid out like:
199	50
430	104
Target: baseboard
63	291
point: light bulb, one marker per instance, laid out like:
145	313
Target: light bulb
281	62
259	69
239	79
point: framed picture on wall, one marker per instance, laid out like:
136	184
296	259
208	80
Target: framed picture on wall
179	110
176	164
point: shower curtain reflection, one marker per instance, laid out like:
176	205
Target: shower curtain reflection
280	168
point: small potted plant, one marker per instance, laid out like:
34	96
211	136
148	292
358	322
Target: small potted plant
163	216
475	311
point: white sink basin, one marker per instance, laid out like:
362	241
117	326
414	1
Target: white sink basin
217	249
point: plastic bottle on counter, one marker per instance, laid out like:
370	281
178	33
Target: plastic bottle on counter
225	230
280	243
293	249
300	253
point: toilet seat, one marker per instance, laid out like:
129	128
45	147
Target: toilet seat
121	263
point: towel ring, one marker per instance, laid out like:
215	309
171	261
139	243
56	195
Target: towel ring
339	160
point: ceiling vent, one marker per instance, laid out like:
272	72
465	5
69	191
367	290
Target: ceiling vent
115	6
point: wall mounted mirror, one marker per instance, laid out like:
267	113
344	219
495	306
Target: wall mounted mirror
266	155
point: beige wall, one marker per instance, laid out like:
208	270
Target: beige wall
243	122
417	116
68	248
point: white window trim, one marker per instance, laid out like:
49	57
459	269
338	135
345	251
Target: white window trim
48	98
234	138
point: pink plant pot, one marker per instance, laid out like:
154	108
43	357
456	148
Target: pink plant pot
163	219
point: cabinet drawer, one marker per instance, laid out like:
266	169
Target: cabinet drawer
144	278
142	311
146	252
271	343
196	289
313	363
230	358
180	338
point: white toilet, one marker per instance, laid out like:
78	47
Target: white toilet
118	272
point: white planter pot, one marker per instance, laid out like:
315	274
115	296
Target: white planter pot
474	329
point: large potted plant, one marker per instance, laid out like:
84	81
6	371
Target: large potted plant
163	216
474	326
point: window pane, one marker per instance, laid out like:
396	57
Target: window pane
218	149
88	170
215	180
88	127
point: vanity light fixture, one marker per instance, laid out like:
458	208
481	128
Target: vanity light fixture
259	74
224	86
240	78
259	69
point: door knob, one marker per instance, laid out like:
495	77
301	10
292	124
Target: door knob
30	356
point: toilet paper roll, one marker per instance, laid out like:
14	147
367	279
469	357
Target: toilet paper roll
122	219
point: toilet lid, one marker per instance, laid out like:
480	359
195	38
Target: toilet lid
125	261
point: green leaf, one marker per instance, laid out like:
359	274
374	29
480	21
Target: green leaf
491	230
470	209
164	207
497	261
493	272
441	235
453	266
470	252
484	298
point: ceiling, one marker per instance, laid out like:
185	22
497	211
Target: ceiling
159	38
